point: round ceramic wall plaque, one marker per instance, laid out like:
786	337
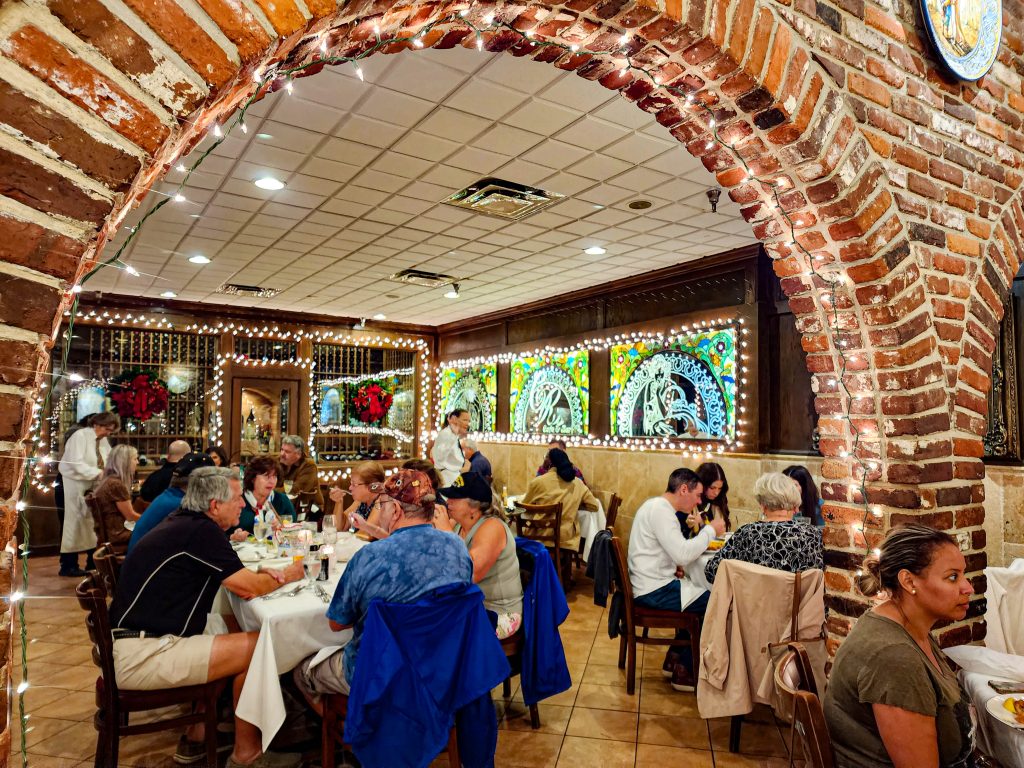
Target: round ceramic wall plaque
965	34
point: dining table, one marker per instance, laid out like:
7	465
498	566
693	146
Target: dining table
292	626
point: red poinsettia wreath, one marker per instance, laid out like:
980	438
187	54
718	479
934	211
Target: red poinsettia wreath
138	394
371	402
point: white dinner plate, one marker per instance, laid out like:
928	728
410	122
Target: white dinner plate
996	709
249	557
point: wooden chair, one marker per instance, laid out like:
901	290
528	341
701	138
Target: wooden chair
102	534
795	682
108	563
543	523
513	645
646	619
113	706
335	710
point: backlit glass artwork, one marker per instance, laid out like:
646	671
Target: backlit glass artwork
474	389
90	400
550	394
682	387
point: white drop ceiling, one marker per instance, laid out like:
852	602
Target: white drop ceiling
365	165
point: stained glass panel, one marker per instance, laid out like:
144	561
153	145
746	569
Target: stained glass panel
474	389
550	394
679	387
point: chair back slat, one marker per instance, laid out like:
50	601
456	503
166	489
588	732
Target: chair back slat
613	510
809	726
92	597
622	580
97	518
543	523
108	563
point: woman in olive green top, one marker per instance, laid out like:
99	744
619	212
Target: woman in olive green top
472	514
892	698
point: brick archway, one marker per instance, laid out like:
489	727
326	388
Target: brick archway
901	184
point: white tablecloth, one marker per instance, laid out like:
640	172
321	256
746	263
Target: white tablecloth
979	665
695	570
291	628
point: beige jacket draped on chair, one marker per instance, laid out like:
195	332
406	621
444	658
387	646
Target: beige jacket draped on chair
751	607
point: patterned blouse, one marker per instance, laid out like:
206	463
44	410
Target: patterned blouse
789	546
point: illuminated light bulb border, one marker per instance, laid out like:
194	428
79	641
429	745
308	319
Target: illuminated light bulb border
410	371
694	447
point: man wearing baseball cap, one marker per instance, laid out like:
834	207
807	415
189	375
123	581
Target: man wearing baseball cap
170	499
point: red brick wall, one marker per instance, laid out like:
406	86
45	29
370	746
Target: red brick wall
902	181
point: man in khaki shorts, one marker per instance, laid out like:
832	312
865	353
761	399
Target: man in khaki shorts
167	586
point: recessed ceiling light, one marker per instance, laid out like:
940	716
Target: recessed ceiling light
598	207
264	136
168	294
269	182
595	250
380	316
199	259
640	205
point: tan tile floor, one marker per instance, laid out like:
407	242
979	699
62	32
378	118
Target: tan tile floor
594	723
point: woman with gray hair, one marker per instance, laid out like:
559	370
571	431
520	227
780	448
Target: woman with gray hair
112	499
775	541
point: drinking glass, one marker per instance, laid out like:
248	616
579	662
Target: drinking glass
330	530
259	530
300	550
312	563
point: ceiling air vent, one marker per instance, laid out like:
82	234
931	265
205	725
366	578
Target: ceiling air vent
422	278
502	199
255	291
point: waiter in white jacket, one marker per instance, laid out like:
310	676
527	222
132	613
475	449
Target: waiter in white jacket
447	453
85	454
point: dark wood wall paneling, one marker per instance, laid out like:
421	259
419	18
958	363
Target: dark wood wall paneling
780	401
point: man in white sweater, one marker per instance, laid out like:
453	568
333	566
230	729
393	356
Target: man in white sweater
658	555
447	453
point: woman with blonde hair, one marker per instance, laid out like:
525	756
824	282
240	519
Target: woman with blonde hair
893	700
365	486
776	541
112	499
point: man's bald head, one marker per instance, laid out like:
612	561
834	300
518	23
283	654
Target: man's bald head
176	450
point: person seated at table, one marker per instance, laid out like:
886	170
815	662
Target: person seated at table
413	560
364	486
159	480
218	455
168	501
658	556
714	499
893	699
166	589
477	461
300	470
546	465
112	498
261	500
446	451
427	468
474	516
777	541
560	484
810	499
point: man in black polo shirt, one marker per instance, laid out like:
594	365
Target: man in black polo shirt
167	586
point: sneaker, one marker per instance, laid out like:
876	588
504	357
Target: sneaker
72	573
682	679
190	752
269	760
671	659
